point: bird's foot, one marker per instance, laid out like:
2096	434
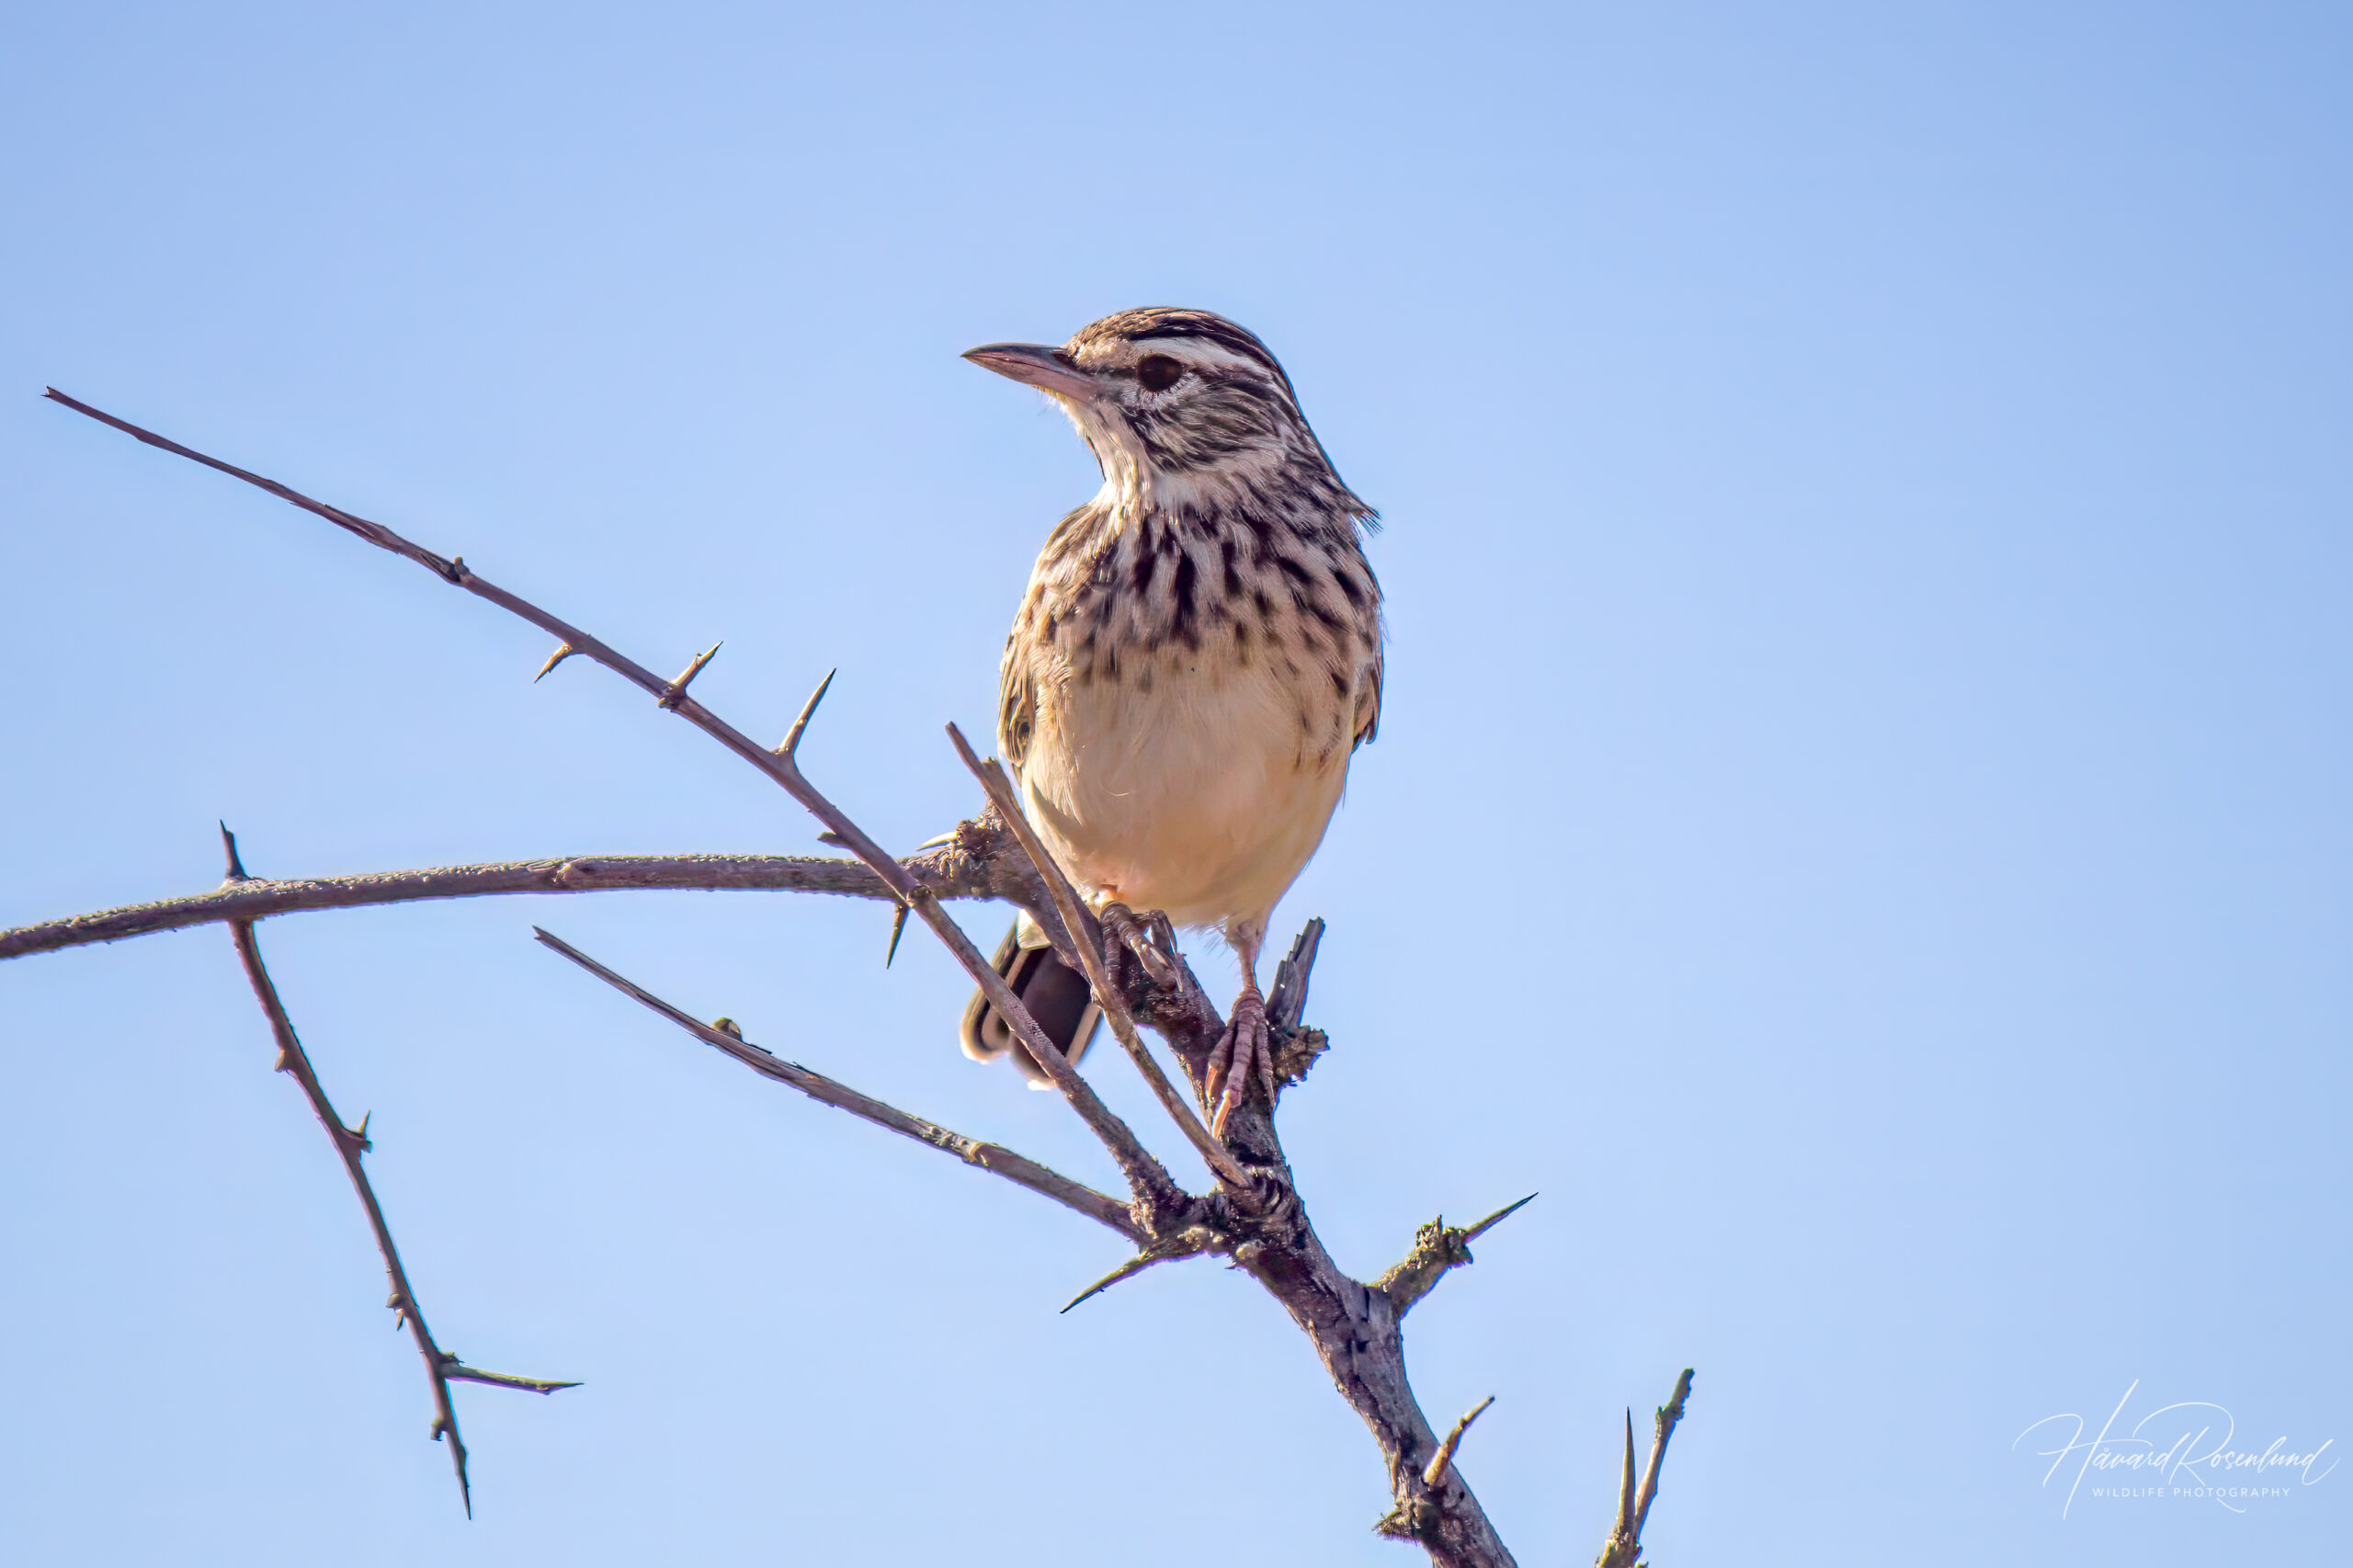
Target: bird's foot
1244	1051
1137	936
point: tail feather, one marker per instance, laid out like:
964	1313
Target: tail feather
1056	995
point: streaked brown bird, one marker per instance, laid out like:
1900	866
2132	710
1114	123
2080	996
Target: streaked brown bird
1197	658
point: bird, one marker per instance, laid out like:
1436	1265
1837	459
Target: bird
1195	661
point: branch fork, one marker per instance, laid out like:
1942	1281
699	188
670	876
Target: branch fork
1624	1547
350	1142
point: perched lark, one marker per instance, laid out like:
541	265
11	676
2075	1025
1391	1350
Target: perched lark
1196	659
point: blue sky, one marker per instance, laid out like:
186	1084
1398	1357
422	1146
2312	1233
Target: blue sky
1860	820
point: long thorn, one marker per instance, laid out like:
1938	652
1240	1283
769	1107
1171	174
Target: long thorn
1626	1484
562	652
675	692
792	737
1127	1270
1445	1455
1498	1218
236	872
898	926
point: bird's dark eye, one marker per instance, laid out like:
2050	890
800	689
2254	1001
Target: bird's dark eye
1157	372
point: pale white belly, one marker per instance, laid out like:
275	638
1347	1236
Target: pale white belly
1202	797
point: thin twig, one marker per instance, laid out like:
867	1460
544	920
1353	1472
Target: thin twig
1113	1000
1141	1169
1663	1423
441	1367
994	1158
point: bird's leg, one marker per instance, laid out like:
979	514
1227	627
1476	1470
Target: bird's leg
1244	1051
1120	924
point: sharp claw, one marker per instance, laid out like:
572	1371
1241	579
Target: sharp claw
1155	963
1120	924
1213	1081
1243	1050
1234	1087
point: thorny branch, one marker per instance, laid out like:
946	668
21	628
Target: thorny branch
1254	1218
946	872
441	1367
995	1158
1155	1188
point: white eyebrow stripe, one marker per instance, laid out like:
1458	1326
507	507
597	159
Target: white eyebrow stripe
1197	352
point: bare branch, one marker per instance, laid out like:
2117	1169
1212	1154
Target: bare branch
1663	1421
1113	1000
979	859
991	1157
382	538
440	1367
1437	1247
1624	1547
1436	1473
1143	1170
259	898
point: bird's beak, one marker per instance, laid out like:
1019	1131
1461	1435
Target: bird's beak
1035	365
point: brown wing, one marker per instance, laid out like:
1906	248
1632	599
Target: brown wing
1016	712
1368	703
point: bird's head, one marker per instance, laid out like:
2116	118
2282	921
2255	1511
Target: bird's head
1175	402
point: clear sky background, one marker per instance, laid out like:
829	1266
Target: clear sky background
1859	823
